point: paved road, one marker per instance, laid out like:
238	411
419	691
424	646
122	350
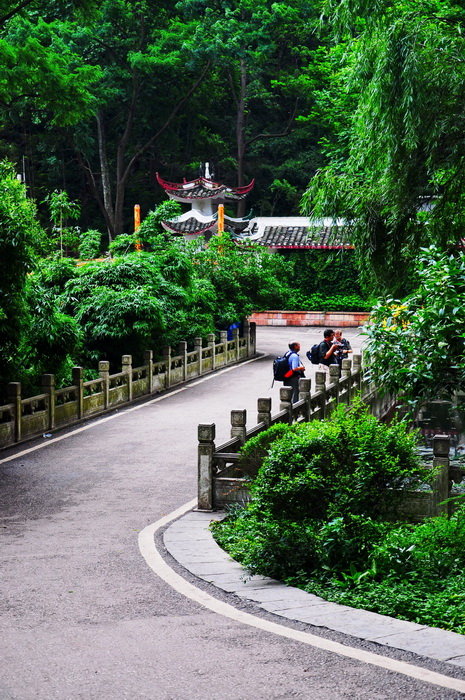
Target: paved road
81	613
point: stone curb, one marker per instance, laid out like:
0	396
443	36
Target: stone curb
190	542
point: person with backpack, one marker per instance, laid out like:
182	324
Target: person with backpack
295	372
325	353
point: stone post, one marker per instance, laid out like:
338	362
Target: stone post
206	450
320	386
334	374
264	411
285	395
182	350
357	367
198	350
167	361
14	397
211	344
246	327
78	382
126	367
104	371
224	342
148	359
237	348
441	447
47	382
346	369
305	386
238	425
253	337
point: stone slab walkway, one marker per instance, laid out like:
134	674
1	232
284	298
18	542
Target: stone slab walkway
190	542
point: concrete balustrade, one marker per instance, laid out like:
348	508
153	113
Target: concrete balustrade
228	485
23	418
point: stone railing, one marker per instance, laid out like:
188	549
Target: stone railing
24	418
222	481
219	479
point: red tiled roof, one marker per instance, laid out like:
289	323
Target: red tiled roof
204	189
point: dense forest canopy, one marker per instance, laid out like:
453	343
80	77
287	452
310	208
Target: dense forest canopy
96	97
346	108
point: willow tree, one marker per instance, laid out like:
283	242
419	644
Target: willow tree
396	174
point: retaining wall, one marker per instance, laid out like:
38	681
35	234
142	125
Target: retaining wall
328	319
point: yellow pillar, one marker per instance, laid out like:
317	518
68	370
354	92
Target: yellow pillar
138	245
220	218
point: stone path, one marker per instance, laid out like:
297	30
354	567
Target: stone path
190	542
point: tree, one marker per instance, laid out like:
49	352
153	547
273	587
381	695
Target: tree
21	238
401	149
147	57
264	52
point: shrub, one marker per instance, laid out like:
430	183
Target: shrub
90	242
316	499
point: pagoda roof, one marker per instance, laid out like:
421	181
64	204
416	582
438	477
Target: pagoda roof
304	238
192	226
203	188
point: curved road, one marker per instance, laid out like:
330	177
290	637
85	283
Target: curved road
83	616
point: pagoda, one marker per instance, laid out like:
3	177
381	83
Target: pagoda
204	195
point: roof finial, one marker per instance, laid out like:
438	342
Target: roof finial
207	171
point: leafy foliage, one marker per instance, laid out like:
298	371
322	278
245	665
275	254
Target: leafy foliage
416	344
400	146
317	487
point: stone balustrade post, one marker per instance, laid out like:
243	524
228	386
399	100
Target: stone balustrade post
148	360
305	386
182	350
264	411
206	451
167	361
253	337
334	374
441	464
246	331
47	382
198	350
211	345
238	425
320	386
285	396
78	382
126	368
224	343
346	369
237	348
14	397
357	370
104	372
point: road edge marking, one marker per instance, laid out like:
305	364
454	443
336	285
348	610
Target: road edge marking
123	412
159	566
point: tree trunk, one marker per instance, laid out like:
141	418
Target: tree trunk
240	132
105	175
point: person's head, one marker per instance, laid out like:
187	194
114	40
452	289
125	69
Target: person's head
295	347
338	335
328	335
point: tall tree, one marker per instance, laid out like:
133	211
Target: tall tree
397	175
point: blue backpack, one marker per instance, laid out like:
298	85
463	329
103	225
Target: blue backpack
281	366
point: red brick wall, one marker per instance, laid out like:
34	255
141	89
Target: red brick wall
328	319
